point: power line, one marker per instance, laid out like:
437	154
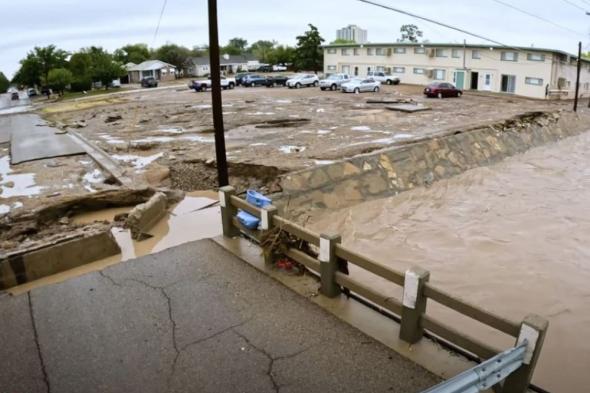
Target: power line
159	21
538	17
438	23
574	5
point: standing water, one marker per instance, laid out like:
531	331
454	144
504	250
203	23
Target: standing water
513	238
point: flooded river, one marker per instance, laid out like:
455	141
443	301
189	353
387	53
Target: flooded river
513	238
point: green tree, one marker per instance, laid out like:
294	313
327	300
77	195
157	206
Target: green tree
29	73
235	46
58	79
132	53
4	83
262	49
80	65
282	54
309	53
103	67
410	33
342	41
50	57
172	54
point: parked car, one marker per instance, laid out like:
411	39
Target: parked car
204	84
279	67
442	89
253	80
382	77
149	82
265	68
31	92
240	76
360	85
14	96
277	80
302	80
116	83
334	81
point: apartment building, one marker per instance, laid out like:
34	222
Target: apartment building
352	33
530	72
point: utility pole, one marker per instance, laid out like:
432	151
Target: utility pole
464	53
578	76
216	103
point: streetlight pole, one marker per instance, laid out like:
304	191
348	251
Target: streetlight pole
579	67
216	102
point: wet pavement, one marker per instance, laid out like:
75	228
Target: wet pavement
512	238
191	318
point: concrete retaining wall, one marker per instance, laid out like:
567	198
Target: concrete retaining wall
391	171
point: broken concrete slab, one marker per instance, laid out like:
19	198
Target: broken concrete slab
31	264
408	108
32	140
390	101
144	216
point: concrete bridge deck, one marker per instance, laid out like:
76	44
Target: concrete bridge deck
194	318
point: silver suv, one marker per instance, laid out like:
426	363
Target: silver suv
386	79
334	81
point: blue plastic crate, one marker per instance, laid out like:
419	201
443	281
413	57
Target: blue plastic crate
248	220
257	199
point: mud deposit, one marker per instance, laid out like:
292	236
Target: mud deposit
513	238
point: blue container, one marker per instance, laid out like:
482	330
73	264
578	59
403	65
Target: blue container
248	220
257	199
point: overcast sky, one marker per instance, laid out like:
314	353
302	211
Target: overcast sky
71	24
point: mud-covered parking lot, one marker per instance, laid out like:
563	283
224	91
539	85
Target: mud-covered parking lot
274	127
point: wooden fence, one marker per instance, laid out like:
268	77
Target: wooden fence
416	289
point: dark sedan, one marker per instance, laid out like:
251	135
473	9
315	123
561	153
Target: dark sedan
441	90
240	77
277	80
253	80
149	82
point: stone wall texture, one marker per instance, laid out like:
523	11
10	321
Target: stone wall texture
393	170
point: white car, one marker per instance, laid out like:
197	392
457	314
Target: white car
334	81
360	85
302	80
382	77
279	67
204	84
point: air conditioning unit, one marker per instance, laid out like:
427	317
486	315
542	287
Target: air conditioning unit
431	52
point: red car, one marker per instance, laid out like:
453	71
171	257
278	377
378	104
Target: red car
442	89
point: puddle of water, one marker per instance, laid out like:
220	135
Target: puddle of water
258	144
288	149
202	106
111	139
171	130
138	162
24	183
192	219
324	162
261	114
283	101
7	208
361	128
324	132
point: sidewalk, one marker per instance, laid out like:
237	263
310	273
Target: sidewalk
190	319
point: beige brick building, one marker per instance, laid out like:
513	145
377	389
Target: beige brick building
531	72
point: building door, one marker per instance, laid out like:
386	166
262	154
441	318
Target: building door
474	80
459	79
356	71
508	83
346	69
487	81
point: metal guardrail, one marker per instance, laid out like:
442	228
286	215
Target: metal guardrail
484	375
411	309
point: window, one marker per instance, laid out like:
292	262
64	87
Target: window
370	52
380	70
332	51
509	56
533	81
380	52
456	54
438	52
535	57
331	68
399	50
475	54
357	51
399	70
420	50
439	75
345	52
419	71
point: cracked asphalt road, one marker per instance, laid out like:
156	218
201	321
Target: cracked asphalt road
189	319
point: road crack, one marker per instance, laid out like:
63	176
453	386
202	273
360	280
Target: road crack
38	345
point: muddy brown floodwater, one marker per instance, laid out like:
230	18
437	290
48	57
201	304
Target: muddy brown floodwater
513	238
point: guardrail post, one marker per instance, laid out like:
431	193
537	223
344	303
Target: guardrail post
329	265
228	211
266	224
414	305
533	329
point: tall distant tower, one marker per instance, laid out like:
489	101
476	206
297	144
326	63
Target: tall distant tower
352	33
